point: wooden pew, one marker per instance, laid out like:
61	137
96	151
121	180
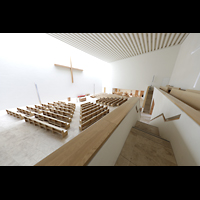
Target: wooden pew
89	108
85	104
67	106
93	120
97	101
41	107
101	100
15	114
62	102
72	104
47	127
82	99
47	106
57	104
118	93
87	117
116	102
61	112
90	111
64	109
57	116
121	102
25	112
62	105
106	100
34	109
53	121
110	102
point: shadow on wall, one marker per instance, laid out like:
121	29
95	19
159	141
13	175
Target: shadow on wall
180	147
170	132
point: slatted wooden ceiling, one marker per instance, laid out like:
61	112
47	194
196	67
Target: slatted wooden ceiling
116	46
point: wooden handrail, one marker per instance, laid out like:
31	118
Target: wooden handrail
82	148
191	112
167	119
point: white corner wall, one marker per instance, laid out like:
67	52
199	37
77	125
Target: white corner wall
186	73
183	134
136	73
26	59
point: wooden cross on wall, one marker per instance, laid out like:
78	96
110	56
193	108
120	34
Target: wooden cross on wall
70	67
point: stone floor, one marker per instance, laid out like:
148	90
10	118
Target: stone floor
143	149
147	128
22	143
145	118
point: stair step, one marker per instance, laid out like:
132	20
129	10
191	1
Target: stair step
148	106
143	149
149	97
146	111
152	137
147	128
148	102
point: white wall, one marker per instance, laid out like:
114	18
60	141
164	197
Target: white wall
109	152
26	59
183	133
187	67
136	73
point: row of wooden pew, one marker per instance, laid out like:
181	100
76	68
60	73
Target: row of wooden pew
53	121
15	114
52	116
46	126
113	101
90	113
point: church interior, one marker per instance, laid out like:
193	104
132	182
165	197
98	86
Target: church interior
99	99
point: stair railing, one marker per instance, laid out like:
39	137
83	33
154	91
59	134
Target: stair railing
176	117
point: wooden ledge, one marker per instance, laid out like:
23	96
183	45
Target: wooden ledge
167	119
81	149
191	112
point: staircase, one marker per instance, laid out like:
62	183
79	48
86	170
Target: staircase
148	101
145	147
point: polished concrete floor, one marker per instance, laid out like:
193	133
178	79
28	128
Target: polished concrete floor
22	143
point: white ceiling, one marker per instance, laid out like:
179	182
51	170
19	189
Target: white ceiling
111	47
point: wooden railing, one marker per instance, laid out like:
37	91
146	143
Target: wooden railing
80	150
191	112
167	119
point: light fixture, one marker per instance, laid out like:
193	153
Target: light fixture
195	51
196	80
